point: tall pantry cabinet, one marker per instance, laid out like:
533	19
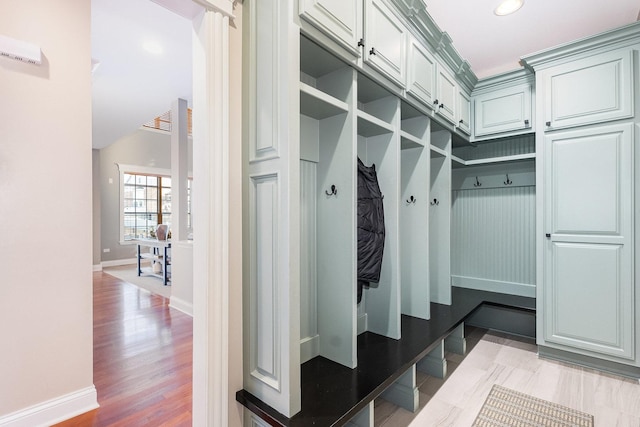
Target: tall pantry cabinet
588	183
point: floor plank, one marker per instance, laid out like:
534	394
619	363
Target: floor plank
513	362
142	363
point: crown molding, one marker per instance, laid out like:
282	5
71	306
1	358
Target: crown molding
224	7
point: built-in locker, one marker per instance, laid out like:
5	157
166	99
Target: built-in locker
328	195
440	216
414	211
378	143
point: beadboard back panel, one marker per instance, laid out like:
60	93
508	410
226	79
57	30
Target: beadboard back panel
492	239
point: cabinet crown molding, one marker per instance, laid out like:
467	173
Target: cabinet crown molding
502	80
626	35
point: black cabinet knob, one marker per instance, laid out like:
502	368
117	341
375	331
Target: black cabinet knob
361	43
372	51
548	235
436	102
461	121
548	124
526	122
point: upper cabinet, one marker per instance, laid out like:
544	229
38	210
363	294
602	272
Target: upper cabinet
446	95
503	110
385	41
339	20
590	90
463	110
421	79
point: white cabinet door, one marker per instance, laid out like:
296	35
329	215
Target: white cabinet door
503	110
338	19
446	95
463	110
421	82
588	290
385	41
591	90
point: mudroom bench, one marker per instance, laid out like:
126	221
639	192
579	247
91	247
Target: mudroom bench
334	395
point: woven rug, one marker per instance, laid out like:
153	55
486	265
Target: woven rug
508	408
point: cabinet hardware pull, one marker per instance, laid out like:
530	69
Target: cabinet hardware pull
441	106
372	51
436	102
477	183
508	181
435	202
526	122
548	124
334	191
361	43
461	121
548	235
411	199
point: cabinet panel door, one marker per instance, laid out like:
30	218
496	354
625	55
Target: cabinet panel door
589	287
463	111
339	20
385	42
591	90
422	73
447	95
503	110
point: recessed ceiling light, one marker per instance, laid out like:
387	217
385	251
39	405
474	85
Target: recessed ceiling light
152	47
508	6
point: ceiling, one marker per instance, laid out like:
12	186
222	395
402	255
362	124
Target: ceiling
494	44
132	86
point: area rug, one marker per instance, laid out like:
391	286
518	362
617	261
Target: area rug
509	408
128	273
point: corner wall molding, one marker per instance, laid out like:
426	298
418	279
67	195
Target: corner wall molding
225	7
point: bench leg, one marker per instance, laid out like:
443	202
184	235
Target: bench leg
364	418
434	363
404	392
456	342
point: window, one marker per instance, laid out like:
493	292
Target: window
145	201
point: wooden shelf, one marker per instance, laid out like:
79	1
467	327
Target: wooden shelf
492	160
369	125
409	141
437	150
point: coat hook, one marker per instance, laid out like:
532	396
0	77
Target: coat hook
435	202
334	191
478	183
411	199
508	181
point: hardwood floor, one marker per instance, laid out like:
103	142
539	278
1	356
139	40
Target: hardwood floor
142	365
511	362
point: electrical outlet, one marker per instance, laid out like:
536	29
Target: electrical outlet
106	250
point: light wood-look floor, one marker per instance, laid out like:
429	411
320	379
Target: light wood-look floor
142	352
512	362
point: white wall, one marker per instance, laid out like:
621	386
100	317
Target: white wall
45	213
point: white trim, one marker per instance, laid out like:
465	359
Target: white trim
181	305
97	267
511	288
53	411
224	7
118	262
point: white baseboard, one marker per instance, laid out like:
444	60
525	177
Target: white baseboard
521	289
118	262
181	305
53	411
97	267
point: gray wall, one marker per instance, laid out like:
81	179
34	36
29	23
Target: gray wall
95	194
141	148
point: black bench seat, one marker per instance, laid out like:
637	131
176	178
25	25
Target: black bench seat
332	394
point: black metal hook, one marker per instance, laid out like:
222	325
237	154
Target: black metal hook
478	183
435	202
334	191
411	199
508	181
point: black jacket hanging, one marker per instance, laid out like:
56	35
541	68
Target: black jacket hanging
370	227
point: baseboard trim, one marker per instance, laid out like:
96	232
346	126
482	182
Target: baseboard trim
97	267
181	305
511	288
53	411
118	262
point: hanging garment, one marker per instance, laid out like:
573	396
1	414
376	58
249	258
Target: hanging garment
370	227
